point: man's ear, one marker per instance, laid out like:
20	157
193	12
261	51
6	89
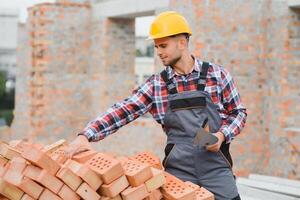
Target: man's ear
182	43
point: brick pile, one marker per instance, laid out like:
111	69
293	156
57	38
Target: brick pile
32	171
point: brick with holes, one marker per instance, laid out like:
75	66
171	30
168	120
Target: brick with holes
147	157
107	167
204	194
192	185
41	159
10	191
87	193
156	181
88	175
175	189
69	178
114	188
135	193
67	193
136	172
53	147
84	156
48	195
59	155
201	192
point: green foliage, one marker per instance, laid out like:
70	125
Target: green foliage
7	115
7	100
2	84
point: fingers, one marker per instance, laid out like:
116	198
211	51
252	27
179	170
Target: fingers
73	150
213	147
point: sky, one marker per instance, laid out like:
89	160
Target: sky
142	24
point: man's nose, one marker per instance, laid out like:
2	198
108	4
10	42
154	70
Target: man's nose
159	52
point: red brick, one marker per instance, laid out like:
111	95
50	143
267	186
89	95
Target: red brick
8	152
118	197
30	187
84	156
53	147
3	161
41	159
73	165
49	181
2	170
84	172
10	191
156	181
18	164
192	185
154	195
90	177
150	158
107	167
135	193
19	145
48	195
87	193
114	188
32	172
204	194
12	177
136	172
175	189
69	178
59	155
67	193
26	197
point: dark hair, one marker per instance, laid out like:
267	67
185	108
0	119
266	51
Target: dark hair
186	35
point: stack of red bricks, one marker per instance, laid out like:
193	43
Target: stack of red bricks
32	171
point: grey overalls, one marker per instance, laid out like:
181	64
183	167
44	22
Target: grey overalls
186	112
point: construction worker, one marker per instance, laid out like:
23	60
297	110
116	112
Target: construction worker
187	95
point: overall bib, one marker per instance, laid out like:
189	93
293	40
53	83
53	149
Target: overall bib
186	112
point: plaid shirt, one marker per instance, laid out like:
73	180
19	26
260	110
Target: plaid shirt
152	97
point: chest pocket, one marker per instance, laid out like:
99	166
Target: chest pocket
188	103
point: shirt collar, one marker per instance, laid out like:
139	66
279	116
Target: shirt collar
196	68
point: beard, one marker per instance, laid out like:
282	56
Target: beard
172	62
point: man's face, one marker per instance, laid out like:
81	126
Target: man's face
167	50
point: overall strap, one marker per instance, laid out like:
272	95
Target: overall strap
202	77
170	85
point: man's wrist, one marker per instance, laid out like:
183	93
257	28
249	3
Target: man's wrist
221	136
82	136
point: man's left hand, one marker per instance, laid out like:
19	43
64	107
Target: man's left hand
216	147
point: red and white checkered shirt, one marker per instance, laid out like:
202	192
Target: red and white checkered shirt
152	97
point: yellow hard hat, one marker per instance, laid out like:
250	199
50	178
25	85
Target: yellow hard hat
168	23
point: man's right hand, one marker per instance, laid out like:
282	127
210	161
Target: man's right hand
80	144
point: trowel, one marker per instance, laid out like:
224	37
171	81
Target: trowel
203	136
